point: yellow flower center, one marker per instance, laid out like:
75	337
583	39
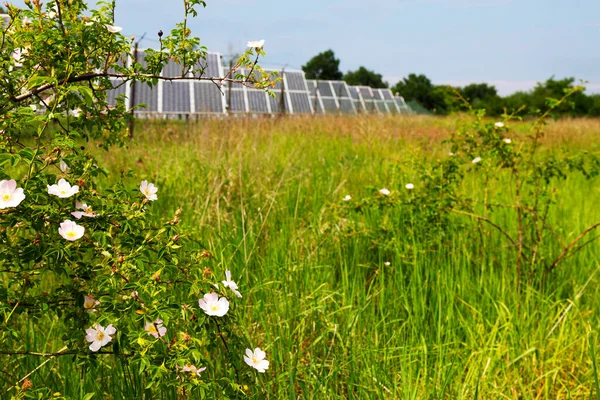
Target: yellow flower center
71	234
254	360
214	307
152	329
147	192
100	335
6	197
63	192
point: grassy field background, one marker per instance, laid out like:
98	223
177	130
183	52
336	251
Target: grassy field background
373	311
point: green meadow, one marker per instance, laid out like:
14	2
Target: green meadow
371	297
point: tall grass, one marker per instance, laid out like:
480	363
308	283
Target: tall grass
442	321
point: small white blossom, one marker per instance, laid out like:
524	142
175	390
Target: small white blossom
384	192
63	189
387	263
256	44
192	369
113	29
499	125
70	230
10	194
156	328
99	336
89	302
214	305
409	186
347	198
256	359
231	284
63	167
149	190
476	160
507	141
75	113
87	211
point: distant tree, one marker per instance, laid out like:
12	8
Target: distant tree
365	77
323	66
2	10
420	89
483	96
481	91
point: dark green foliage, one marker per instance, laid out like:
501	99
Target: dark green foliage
323	66
365	77
420	89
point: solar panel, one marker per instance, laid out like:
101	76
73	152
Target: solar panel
347	106
207	98
147	95
301	103
172	69
387	94
340	88
257	101
176	97
276	106
330	105
354	93
237	102
366	93
211	67
381	107
316	104
295	81
325	89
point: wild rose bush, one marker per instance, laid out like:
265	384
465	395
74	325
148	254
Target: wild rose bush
119	284
435	203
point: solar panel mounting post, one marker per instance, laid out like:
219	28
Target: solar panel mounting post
132	98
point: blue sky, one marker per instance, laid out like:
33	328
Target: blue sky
509	43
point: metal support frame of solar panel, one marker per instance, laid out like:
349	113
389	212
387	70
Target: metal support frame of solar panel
193	96
331	96
368	99
297	97
379	101
246	99
388	98
359	103
402	106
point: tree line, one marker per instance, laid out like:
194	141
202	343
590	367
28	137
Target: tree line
418	90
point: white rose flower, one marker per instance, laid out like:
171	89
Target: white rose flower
256	359
347	198
99	336
256	44
113	29
499	125
214	305
10	194
384	192
149	190
409	186
63	189
476	160
231	284
87	211
71	231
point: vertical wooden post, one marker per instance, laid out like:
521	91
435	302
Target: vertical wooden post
132	95
282	94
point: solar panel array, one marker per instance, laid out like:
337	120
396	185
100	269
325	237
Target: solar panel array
292	94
